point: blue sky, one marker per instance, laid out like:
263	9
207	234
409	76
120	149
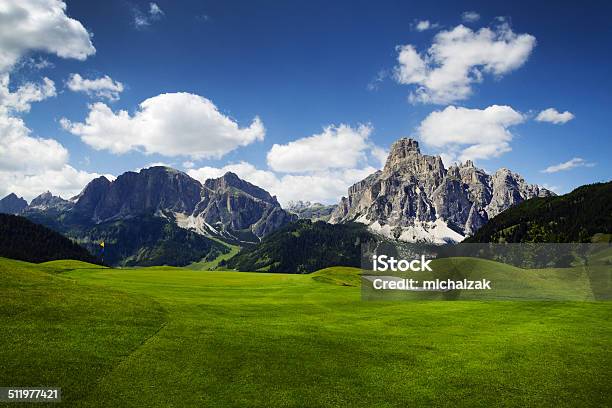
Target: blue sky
303	67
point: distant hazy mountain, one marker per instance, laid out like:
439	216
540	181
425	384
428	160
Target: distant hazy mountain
11	204
574	217
174	207
47	201
311	211
415	198
22	239
304	247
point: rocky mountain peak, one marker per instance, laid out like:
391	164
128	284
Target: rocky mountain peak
225	207
402	150
46	201
231	181
164	172
402	147
93	192
405	158
236	209
227	180
11	204
149	191
416	199
309	210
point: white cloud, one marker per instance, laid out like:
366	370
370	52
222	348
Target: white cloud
323	165
470	133
21	99
424	25
29	164
172	124
554	189
458	58
23	153
35	63
188	164
144	19
551	115
374	84
103	87
336	147
154	10
262	178
568	165
315	168
470	16
65	181
380	155
326	186
40	25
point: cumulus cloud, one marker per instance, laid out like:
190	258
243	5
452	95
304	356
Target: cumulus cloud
144	19
568	165
20	151
470	133
458	58
380	155
336	147
551	115
470	16
325	186
29	164
40	25
21	99
315	168
65	182
424	25
171	124
103	87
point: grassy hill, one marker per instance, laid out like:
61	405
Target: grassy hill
574	217
148	337
58	332
22	239
304	247
577	283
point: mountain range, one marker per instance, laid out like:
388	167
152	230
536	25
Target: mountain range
11	204
160	215
583	215
311	211
415	198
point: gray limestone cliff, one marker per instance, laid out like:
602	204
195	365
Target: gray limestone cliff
415	198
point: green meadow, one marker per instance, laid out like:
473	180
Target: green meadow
175	337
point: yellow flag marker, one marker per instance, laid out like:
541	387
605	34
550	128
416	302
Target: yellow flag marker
102	244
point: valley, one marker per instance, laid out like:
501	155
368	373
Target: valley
164	336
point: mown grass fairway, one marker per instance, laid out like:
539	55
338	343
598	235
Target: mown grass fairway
176	337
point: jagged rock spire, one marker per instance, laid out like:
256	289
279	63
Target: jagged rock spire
416	198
